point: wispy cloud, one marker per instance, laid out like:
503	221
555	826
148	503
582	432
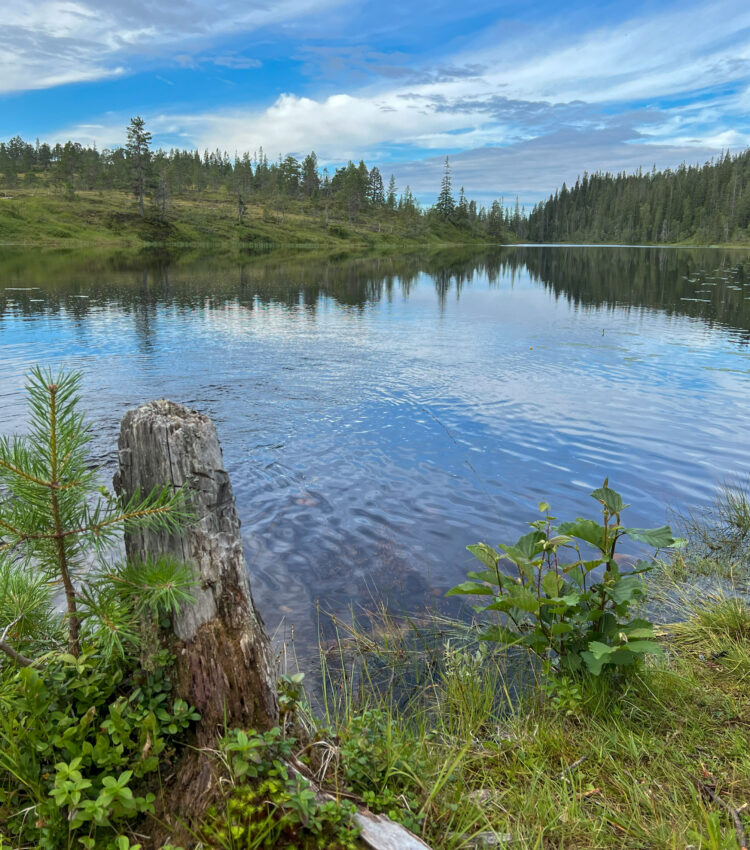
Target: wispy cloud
655	87
55	42
499	99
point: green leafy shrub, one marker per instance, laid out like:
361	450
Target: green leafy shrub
569	601
81	745
83	732
269	805
378	761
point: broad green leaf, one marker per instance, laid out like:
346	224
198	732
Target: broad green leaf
536	640
483	575
523	599
644	647
574	573
561	628
659	538
502	603
638	628
526	566
530	544
543	507
484	553
593	662
571	599
470	588
611	500
584	529
559	540
499	634
551	584
600	650
622	657
626	589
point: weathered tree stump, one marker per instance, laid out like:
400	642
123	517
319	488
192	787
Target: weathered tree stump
223	659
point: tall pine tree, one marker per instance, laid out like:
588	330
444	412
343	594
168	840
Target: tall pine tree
445	204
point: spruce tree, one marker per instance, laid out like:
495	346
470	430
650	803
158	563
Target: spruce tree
391	198
445	204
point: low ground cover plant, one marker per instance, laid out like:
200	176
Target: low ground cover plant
568	721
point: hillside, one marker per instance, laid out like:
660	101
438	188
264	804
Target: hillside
70	193
111	217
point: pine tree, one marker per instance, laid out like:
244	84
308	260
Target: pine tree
139	140
445	204
310	176
53	517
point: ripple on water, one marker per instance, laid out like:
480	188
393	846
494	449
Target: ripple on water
373	431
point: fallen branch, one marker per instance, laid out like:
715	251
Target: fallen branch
379	832
738	827
12	653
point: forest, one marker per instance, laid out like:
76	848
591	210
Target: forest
701	204
158	178
693	203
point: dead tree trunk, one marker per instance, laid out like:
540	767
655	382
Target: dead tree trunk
223	658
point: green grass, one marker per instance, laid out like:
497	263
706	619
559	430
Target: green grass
46	218
434	726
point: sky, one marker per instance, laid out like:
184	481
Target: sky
520	96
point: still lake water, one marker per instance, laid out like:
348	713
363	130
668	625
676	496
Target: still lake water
379	414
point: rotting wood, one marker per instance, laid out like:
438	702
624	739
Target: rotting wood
379	832
223	658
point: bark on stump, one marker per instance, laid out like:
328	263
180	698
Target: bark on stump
223	658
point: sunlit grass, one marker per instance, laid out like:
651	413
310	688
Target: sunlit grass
469	756
42	216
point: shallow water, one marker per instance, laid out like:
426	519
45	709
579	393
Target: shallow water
379	414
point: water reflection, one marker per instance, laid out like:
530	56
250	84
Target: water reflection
377	414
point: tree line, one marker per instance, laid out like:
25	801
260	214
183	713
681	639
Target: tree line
702	203
708	203
157	177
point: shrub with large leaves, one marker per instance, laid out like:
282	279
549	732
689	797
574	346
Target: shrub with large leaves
565	595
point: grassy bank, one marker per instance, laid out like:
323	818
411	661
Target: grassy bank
657	761
557	718
41	217
476	745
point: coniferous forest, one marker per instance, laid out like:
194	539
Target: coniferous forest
245	182
705	204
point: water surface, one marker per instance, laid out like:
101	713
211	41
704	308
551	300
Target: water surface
379	414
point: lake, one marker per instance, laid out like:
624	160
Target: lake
379	414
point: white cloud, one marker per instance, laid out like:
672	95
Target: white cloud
510	98
61	41
531	113
533	168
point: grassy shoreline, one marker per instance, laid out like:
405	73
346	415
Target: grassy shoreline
34	218
463	760
97	219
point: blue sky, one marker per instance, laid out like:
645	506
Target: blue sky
520	96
